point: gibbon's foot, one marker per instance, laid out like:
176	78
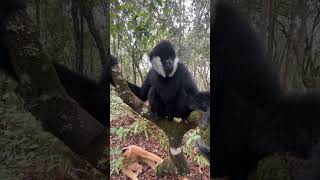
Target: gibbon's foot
203	148
170	118
154	116
185	119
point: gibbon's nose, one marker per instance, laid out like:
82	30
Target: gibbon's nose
168	66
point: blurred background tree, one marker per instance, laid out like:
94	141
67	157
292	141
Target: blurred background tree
290	31
137	26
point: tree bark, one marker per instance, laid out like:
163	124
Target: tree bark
291	70
76	33
94	30
43	94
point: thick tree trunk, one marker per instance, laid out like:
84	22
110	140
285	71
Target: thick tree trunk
291	70
94	30
76	33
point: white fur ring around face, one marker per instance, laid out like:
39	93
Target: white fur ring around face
158	67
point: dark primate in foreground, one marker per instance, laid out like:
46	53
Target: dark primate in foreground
252	116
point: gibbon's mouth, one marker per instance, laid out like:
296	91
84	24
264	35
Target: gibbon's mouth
168	69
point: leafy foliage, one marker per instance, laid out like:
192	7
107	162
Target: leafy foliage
26	147
189	148
120	132
137	26
115	163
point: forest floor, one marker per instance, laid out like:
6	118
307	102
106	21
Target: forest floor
151	144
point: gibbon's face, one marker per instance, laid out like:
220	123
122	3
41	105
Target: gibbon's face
163	59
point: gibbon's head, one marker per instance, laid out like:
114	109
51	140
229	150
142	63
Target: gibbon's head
163	59
106	71
126	152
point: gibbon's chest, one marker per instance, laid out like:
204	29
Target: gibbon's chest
167	88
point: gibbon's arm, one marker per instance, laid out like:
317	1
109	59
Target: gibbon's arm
146	86
203	148
133	155
201	101
189	84
133	170
106	77
134	89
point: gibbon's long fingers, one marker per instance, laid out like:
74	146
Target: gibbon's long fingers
129	173
136	167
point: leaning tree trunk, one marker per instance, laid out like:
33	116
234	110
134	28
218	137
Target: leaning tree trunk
43	94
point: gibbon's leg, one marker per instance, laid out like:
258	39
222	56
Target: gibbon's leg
132	155
157	110
152	160
135	167
129	173
136	151
150	163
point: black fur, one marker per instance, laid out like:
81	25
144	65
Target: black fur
91	95
106	75
201	101
168	96
166	52
252	117
203	148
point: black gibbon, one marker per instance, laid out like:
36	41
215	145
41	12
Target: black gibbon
252	116
133	156
168	85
